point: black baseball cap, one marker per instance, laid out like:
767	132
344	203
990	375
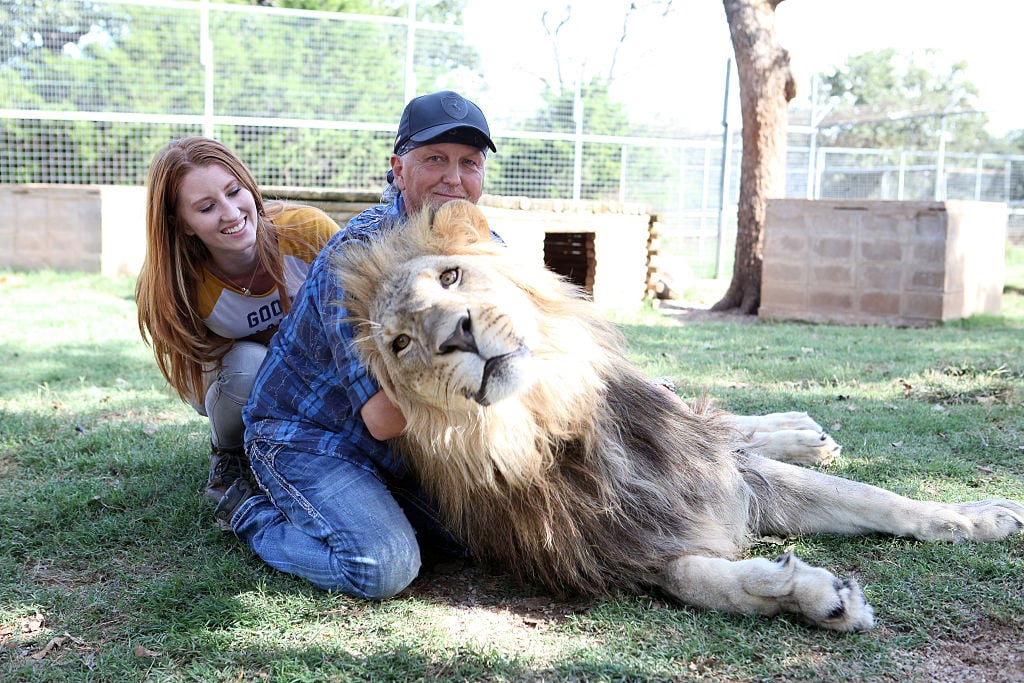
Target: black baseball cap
444	116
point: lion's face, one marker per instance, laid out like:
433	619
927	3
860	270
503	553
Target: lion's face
448	319
450	331
491	358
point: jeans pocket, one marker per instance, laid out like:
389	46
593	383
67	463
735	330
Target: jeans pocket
286	497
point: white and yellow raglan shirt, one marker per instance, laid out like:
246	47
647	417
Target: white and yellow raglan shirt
230	313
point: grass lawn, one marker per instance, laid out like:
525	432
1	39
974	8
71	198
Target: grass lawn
111	568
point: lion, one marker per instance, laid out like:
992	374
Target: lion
552	455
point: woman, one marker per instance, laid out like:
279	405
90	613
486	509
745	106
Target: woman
219	274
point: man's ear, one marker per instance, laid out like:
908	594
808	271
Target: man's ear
397	168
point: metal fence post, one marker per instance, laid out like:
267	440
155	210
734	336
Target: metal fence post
723	183
206	59
577	164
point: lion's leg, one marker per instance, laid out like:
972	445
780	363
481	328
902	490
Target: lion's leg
767	587
798	500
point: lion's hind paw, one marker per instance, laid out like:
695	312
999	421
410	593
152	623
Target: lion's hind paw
992	520
774	422
798	446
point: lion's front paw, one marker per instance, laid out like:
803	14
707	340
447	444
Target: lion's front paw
826	600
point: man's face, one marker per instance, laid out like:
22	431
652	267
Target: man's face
437	173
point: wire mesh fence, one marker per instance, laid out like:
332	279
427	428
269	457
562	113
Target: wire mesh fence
89	89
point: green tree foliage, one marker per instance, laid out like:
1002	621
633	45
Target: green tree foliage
104	57
888	100
30	29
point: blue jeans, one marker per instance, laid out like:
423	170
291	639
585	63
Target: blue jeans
335	522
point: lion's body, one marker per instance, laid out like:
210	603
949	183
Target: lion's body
551	454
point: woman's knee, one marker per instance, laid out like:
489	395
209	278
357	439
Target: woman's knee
239	367
230	390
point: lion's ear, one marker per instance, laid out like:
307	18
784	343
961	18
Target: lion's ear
462	222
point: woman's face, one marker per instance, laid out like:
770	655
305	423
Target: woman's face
215	207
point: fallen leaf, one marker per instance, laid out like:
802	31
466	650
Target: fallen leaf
141	650
773	540
48	648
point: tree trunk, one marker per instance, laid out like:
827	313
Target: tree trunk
766	87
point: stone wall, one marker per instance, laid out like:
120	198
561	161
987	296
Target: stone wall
882	262
72	228
102	229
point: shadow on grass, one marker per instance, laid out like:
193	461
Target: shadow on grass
24	369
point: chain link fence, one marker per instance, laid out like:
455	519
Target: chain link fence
89	89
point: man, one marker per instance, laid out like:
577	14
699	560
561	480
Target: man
331	502
439	155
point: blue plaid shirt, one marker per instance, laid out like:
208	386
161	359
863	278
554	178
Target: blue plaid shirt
311	387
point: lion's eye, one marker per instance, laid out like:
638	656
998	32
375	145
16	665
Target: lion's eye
400	342
449	277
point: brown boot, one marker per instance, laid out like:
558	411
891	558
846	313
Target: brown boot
240	491
226	465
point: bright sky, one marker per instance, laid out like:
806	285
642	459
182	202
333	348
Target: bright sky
675	64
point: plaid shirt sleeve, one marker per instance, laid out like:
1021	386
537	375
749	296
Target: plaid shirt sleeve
312	385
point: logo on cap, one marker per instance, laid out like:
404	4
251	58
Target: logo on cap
455	106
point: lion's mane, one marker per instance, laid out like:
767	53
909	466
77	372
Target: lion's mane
587	481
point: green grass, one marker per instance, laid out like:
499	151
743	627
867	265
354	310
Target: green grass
111	568
1015	267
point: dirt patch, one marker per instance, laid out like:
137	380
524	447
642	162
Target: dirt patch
699	312
461	583
993	653
694	302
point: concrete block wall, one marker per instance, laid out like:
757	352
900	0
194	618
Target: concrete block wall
72	228
43	230
882	262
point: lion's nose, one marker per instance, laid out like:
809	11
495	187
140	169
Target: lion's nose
461	339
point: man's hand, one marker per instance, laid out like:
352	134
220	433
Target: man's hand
383	420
